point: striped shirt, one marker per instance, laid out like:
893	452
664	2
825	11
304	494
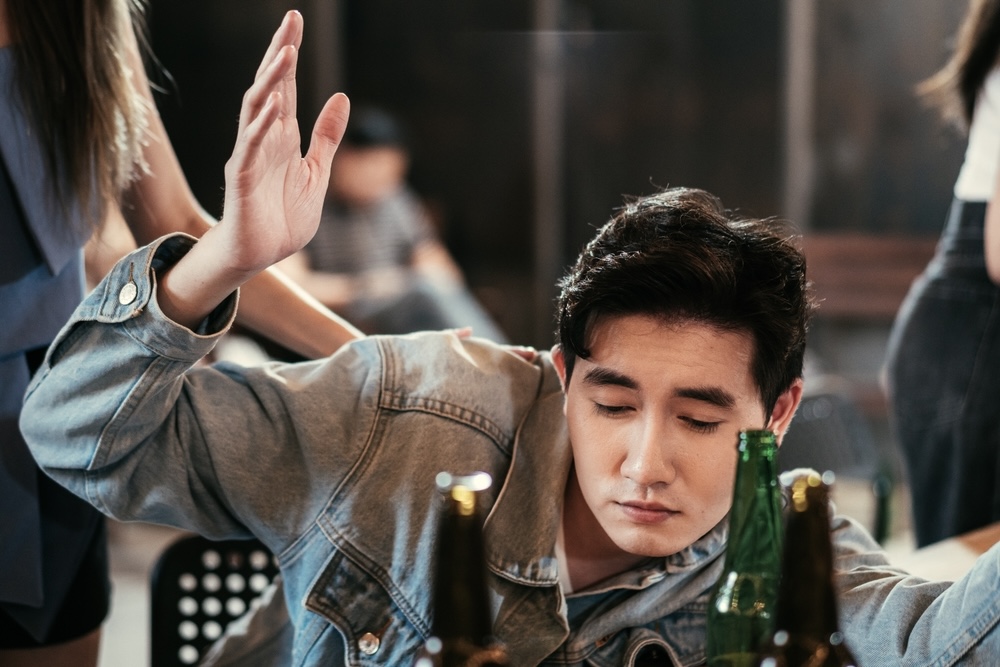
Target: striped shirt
380	236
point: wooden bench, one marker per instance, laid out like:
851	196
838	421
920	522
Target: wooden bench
863	276
862	279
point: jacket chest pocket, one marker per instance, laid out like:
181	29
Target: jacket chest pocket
375	625
652	654
676	642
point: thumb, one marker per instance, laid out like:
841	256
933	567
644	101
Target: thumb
328	131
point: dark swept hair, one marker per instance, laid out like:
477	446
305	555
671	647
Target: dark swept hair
954	88
679	255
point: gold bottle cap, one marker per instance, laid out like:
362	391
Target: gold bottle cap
801	486
463	488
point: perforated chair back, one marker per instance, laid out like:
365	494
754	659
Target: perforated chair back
829	432
197	587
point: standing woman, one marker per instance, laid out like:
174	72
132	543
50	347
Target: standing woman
81	148
944	350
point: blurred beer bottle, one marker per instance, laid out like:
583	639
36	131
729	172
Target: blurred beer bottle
462	629
807	629
741	607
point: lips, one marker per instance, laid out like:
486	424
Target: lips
644	512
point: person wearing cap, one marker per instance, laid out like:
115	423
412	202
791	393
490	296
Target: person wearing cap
377	257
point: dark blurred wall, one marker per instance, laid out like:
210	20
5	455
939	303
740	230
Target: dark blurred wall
211	49
884	161
654	93
671	93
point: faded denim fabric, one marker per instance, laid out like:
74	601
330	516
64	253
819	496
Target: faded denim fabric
332	463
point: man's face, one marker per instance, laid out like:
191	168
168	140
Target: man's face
654	416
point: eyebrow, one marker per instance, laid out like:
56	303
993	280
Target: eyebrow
605	376
714	395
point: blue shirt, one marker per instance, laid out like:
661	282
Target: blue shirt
41	282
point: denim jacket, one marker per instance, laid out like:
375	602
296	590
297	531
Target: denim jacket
332	464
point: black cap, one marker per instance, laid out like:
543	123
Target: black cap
370	127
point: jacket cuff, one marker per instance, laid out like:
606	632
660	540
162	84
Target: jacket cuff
127	295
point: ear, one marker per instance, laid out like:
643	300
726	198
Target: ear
784	409
559	361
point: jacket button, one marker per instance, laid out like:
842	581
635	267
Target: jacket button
369	643
127	293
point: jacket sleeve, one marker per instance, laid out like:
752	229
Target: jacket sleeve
890	617
122	414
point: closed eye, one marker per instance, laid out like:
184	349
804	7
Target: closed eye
611	410
700	426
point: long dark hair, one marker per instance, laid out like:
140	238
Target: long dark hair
75	79
954	88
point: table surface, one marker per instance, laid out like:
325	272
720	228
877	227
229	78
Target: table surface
951	558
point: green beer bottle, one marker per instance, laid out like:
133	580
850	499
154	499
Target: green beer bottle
807	629
741	607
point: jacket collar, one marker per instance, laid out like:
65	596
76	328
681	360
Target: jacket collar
523	522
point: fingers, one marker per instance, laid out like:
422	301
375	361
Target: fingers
276	72
525	352
252	136
289	32
270	81
327	132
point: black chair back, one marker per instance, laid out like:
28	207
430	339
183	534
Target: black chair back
829	432
197	587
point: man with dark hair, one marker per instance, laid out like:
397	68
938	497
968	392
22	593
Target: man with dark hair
613	455
677	255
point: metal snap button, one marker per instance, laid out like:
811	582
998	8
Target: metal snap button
127	293
369	643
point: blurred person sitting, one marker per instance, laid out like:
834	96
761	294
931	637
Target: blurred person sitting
377	258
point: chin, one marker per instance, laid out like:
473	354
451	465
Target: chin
639	542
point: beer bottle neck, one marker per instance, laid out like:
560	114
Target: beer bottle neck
755	532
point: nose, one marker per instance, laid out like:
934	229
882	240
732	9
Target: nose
649	459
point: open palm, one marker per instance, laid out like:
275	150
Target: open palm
274	195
